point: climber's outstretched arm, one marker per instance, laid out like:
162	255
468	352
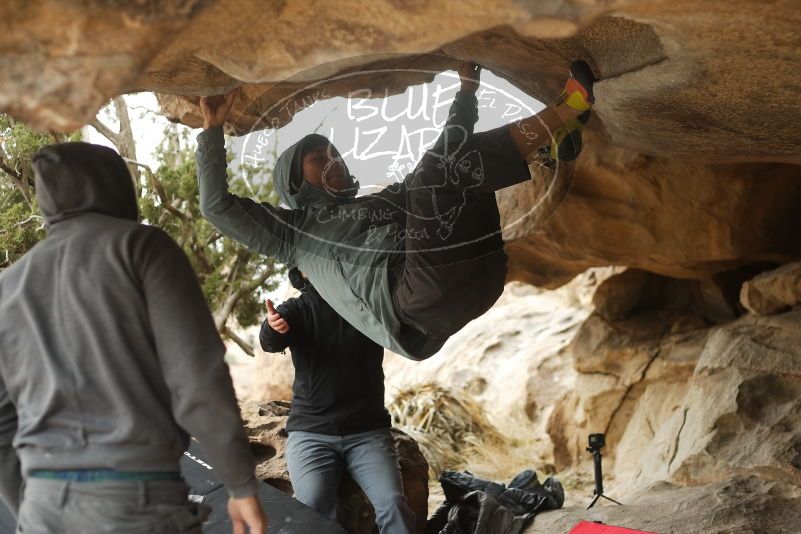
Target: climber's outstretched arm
463	113
259	226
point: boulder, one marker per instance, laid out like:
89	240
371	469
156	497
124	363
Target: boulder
689	169
680	79
619	296
265	424
685	401
678	217
615	365
61	61
774	291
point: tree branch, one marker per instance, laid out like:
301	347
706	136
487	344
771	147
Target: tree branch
213	238
225	311
105	131
126	144
29	219
244	345
221	317
16	178
186	220
158	187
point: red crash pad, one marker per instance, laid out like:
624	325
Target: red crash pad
585	527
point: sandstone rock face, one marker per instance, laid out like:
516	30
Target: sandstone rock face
265	424
674	216
684	401
511	360
60	61
701	409
659	61
689	174
773	291
690	168
747	505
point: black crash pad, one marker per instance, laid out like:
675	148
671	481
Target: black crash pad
287	515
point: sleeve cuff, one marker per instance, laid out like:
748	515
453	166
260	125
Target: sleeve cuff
211	137
465	97
247	489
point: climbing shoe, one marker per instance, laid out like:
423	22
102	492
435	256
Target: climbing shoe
566	140
578	89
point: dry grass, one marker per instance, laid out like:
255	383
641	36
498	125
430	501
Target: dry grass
453	433
448	425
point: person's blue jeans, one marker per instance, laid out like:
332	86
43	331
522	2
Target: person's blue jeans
316	463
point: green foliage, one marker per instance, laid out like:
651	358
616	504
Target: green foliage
21	226
234	280
228	272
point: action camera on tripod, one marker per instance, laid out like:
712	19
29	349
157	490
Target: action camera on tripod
596	443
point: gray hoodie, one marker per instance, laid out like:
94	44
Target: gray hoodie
109	357
350	248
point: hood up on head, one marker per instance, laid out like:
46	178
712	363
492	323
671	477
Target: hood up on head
292	189
75	178
298	281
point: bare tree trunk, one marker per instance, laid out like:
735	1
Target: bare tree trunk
222	314
122	140
17	179
244	345
127	145
173	146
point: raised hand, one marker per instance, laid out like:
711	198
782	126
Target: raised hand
470	74
215	108
275	320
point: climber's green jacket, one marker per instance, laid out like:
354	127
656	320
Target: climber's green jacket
348	247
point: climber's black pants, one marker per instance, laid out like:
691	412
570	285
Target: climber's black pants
455	265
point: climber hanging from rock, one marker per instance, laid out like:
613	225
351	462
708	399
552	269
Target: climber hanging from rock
408	266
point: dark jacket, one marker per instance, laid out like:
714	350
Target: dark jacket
109	357
476	506
348	247
339	379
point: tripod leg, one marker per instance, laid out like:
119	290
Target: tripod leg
611	499
594	500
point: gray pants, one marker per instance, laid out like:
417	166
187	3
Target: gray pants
60	507
316	463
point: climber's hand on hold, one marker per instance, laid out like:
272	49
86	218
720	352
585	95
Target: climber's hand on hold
215	108
470	74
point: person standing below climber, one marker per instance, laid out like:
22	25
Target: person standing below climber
337	421
109	361
411	265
